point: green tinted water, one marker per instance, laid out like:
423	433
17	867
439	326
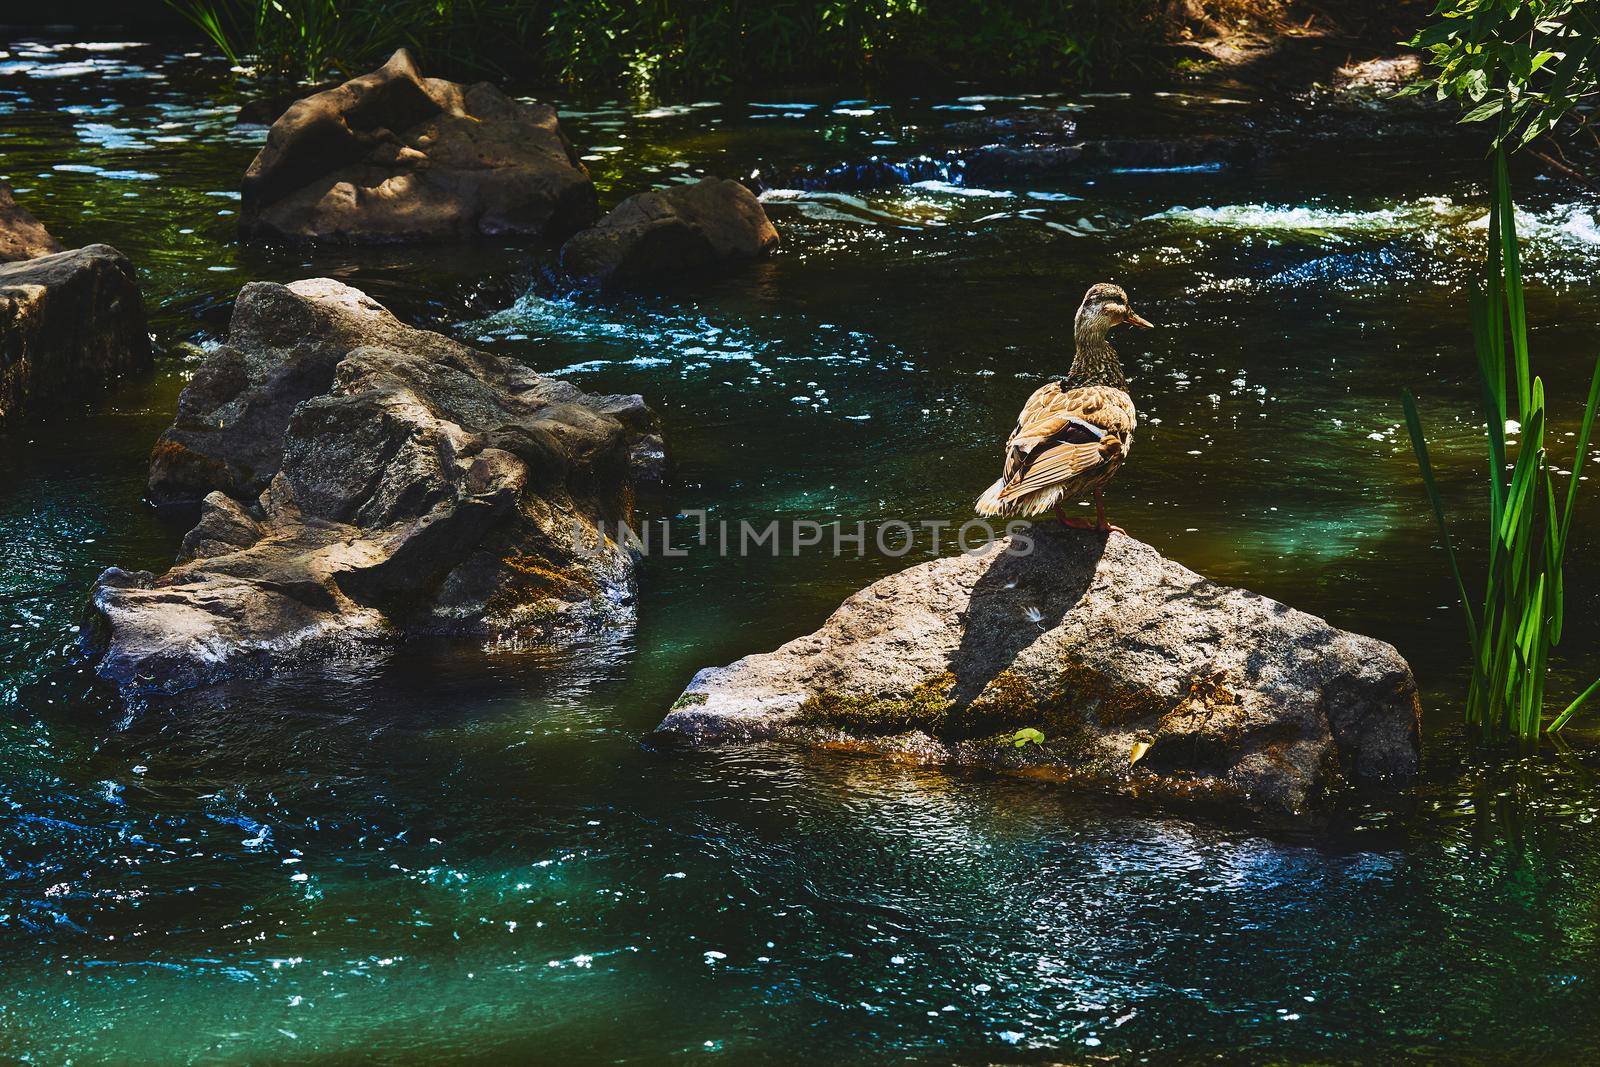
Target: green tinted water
457	856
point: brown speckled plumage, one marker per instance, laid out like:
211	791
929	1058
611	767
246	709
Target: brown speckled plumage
1072	436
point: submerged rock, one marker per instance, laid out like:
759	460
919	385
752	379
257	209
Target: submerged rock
21	235
1026	146
1024	127
1000	163
394	156
1028	155
876	172
687	228
365	481
70	323
1161	153
1108	650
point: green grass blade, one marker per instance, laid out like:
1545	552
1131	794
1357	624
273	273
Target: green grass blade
1492	374
1532	622
1583	450
1511	260
1500	680
1419	445
1552	564
1523	481
1572	708
1494	299
206	18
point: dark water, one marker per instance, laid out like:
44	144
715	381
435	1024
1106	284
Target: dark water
459	856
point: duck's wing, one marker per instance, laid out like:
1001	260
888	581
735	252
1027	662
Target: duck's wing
1062	433
1038	414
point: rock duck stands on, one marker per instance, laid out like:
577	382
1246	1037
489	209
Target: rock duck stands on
686	229
361	481
1142	678
394	156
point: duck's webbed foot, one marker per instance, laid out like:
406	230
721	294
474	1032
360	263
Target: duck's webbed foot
1074	522
1100	517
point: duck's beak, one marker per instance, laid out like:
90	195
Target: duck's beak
1136	319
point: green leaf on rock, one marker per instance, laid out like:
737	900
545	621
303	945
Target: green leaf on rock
1027	736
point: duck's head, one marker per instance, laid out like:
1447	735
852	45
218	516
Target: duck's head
1104	306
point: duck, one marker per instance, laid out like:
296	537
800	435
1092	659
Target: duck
1074	434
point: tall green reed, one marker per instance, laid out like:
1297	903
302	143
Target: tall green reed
1522	612
302	40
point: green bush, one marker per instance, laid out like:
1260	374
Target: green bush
1526	64
685	46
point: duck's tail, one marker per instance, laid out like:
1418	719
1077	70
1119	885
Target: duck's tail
1025	505
990	503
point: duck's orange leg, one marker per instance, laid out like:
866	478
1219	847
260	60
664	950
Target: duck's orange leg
1074	523
1100	517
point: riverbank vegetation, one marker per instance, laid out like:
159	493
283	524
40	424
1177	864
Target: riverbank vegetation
1526	67
674	46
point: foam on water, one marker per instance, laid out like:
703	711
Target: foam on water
1296	218
825	206
1574	225
1570	222
1431	241
935	186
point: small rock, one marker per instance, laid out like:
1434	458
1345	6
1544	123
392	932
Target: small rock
70	323
669	232
21	235
1199	150
1022	162
1025	127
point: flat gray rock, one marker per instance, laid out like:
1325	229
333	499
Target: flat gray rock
1106	648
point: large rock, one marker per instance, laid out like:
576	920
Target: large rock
366	481
70	323
21	235
394	156
1102	645
284	345
665	232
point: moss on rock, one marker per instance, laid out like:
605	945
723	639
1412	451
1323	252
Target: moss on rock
926	708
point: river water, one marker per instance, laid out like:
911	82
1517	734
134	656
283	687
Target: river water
465	856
